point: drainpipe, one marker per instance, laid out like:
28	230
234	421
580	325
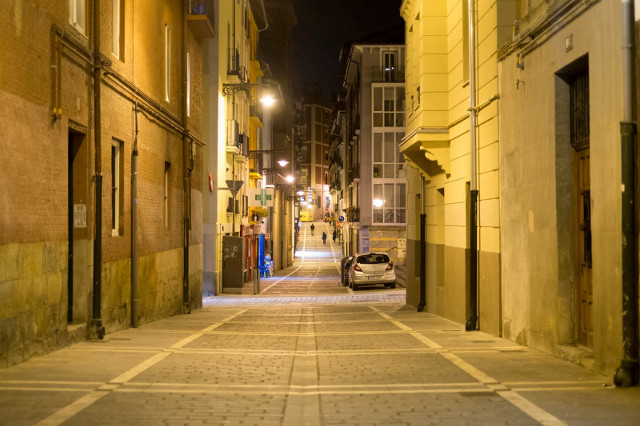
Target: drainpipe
96	329
473	193
134	225
264	13
423	247
186	170
627	373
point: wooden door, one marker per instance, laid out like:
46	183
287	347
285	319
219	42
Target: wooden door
584	288
580	140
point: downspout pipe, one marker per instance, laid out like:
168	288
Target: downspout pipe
186	170
96	330
266	20
627	373
473	193
423	247
134	224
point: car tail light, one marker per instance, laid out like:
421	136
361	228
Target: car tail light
357	268
390	266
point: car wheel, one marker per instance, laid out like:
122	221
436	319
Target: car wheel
392	285
354	287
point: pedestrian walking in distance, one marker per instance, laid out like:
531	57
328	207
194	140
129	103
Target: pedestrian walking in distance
324	238
335	234
312	228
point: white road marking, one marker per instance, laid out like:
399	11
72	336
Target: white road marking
80	404
513	397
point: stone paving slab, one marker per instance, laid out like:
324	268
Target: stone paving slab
244	342
370	341
350	369
437	408
178	408
197	368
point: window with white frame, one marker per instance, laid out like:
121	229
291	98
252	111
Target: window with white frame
388	106
167	62
78	14
118	29
389	183
188	84
389	66
116	186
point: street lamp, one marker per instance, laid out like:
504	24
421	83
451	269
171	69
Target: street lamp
267	99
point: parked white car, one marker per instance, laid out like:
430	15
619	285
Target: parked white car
372	268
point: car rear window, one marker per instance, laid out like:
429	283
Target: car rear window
373	258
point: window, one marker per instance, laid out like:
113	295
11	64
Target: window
188	84
78	14
389	184
116	187
388	106
167	167
167	62
118	29
393	203
389	67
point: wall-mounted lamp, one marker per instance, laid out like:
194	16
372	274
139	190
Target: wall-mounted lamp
267	100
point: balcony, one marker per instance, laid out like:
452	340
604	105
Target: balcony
353	214
201	18
255	115
354	173
236	73
387	74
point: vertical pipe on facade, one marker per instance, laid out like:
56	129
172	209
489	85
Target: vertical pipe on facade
264	13
423	246
473	193
627	373
134	223
97	330
186	170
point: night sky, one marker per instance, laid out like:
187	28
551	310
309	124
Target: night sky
323	27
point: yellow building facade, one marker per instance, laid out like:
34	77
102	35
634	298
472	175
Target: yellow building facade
443	169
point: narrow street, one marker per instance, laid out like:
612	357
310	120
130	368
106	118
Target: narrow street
308	350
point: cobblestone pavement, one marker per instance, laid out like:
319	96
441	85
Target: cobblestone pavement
324	356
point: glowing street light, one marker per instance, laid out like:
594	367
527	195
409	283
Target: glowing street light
268	100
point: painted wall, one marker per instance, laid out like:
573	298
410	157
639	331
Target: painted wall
539	285
438	143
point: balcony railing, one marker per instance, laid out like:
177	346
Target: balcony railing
234	68
387	74
354	173
201	18
256	111
353	214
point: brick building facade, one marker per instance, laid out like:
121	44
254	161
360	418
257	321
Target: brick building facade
142	89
